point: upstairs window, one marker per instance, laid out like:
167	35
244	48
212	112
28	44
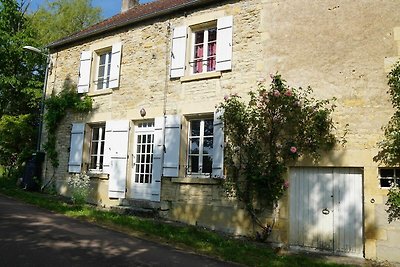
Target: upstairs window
104	70
204	50
389	177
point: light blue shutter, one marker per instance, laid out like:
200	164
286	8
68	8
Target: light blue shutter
178	53
76	147
116	143
224	43
158	151
218	146
172	141
115	65
84	72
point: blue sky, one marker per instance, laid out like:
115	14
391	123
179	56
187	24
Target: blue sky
109	7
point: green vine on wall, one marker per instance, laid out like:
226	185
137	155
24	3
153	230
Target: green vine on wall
57	107
277	126
389	147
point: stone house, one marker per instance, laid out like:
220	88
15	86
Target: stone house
156	73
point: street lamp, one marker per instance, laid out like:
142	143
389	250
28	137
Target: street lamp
37	50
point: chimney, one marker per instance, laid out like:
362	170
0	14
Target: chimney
128	4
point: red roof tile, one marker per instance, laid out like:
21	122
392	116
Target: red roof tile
136	14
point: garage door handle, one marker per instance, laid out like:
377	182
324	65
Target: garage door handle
325	211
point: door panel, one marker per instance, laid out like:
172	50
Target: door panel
326	209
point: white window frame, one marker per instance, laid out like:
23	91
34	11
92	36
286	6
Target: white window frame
105	84
390	179
101	142
200	155
205	30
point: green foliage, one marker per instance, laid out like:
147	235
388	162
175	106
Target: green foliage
15	145
21	82
389	148
60	18
389	152
57	107
276	127
393	204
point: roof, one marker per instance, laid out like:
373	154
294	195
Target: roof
136	14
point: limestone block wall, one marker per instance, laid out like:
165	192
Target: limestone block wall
342	49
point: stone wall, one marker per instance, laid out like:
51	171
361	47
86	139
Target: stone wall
342	49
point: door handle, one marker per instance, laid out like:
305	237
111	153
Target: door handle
325	211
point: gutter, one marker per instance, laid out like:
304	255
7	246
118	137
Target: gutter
72	39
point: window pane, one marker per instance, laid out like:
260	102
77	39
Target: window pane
102	60
194	146
101	162
193	164
195	128
199	37
386	172
212	34
95	134
93	161
208	127
95	146
386	182
208	146
207	164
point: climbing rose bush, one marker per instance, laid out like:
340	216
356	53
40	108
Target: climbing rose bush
277	126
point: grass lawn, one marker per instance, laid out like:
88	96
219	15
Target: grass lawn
185	237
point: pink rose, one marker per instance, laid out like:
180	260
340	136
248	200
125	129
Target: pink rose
286	184
293	149
288	93
276	93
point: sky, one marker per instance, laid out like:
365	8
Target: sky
109	7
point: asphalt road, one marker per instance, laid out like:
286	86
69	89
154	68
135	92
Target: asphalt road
30	236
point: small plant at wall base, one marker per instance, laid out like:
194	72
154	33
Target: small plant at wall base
57	107
277	126
79	185
389	148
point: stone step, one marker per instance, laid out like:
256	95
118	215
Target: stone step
138	203
135	211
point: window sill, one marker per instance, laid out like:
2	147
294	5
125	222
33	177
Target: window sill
210	181
201	76
100	92
100	176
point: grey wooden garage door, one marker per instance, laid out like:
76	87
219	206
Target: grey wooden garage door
326	209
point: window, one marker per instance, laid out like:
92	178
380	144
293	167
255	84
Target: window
97	148
388	176
204	50
104	70
201	48
200	147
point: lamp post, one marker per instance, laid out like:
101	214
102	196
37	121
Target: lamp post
38	51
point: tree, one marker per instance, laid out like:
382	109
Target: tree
21	80
389	153
57	19
265	136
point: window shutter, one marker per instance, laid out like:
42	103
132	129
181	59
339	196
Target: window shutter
158	151
84	72
178	53
224	43
172	145
116	145
115	65
75	152
218	146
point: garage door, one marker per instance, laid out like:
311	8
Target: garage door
326	209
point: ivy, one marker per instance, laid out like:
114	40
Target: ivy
277	126
389	147
57	107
